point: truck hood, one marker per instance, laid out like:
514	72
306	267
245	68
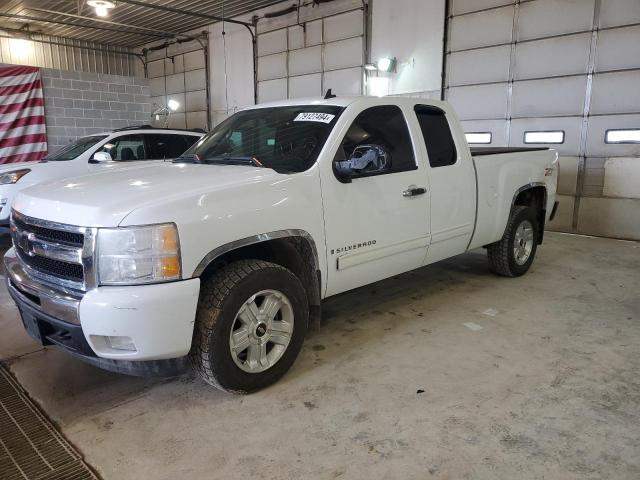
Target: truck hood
105	198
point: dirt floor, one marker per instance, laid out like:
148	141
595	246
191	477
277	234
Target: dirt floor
448	372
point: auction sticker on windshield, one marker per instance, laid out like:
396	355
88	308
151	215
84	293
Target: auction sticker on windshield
314	117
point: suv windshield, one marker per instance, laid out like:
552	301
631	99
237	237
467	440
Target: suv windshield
286	139
74	150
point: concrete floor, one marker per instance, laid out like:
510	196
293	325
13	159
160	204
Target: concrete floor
448	372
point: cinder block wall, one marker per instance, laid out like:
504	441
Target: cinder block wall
79	104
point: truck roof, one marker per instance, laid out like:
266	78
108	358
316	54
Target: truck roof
346	101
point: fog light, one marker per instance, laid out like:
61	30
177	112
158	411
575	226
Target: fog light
120	343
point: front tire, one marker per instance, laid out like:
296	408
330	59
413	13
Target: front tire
513	255
251	322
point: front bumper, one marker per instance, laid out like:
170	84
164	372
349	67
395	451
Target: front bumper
157	318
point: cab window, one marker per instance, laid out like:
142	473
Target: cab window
441	148
126	148
378	142
162	146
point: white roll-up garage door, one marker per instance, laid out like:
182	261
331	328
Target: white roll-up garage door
560	73
324	50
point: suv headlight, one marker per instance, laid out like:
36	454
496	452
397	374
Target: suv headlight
13	176
138	255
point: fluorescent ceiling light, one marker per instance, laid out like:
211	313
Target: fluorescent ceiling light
545	137
630	135
173	105
478	137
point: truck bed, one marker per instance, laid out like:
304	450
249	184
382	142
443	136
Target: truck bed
478	151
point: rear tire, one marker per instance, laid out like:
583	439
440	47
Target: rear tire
514	253
251	322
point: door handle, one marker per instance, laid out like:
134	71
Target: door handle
413	191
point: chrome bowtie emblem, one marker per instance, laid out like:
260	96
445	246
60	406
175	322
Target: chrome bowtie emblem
26	244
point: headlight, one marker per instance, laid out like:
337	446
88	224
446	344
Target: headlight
138	255
12	177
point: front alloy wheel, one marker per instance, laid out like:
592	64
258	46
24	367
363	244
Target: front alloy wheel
261	331
250	324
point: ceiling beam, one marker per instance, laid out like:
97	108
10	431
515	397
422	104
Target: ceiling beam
181	11
71	24
153	31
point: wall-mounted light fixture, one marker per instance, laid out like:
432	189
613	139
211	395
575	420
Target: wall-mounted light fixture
173	105
387	64
102	7
20	47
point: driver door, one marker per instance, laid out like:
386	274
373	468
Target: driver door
376	201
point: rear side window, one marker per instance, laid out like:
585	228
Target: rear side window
380	132
126	148
190	140
163	146
437	136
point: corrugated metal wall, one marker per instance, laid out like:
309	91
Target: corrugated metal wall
72	55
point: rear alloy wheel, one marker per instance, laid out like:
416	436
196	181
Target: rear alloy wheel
250	324
514	253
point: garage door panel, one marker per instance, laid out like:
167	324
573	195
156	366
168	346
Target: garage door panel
482	29
616	92
593	181
156	85
542	18
343	26
305	86
480	101
175	83
193	60
195	80
314	33
563	221
621	177
557	96
479	66
343	54
569	125
567	174
196	101
197	119
272	90
344	82
272	42
596	129
155	69
610	217
497	128
619	12
296	37
466	6
272	66
307	60
618	49
553	56
177	120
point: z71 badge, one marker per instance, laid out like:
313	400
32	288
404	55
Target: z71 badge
355	246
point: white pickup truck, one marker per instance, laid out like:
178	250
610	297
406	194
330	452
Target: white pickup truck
221	258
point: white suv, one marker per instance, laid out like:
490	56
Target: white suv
91	153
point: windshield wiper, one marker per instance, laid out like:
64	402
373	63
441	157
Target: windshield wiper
191	158
231	160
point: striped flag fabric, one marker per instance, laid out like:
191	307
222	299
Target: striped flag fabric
23	135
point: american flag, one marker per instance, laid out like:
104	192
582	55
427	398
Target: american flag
23	135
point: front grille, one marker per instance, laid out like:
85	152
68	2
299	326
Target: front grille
57	268
46	247
68	238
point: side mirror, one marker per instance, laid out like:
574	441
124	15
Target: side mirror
365	160
100	157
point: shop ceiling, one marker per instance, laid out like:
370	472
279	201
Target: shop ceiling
132	23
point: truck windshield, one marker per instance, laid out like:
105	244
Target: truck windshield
74	150
286	139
